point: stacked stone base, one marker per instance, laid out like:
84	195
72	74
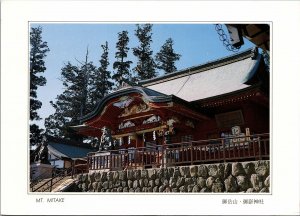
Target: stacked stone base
246	177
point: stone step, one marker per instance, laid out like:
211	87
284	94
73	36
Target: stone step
47	185
39	184
63	184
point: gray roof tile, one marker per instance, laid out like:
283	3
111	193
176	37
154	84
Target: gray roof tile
211	82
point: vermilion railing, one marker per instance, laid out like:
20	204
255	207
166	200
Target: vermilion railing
255	147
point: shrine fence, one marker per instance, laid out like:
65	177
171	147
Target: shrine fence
254	147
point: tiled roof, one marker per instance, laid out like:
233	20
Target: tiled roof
222	76
62	150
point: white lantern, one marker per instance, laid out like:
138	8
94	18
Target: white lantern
154	135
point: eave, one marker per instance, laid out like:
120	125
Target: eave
231	97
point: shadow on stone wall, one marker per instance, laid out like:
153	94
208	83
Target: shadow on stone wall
246	177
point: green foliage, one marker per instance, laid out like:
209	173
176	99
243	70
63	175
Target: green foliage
100	84
266	57
36	134
72	103
38	50
145	68
166	57
84	86
120	65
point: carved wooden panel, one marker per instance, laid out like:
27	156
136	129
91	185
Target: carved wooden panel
134	110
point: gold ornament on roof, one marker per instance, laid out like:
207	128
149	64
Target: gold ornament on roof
134	110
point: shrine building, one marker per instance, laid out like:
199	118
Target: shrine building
217	111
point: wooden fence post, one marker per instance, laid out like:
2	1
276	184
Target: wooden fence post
191	153
73	167
224	154
259	148
53	174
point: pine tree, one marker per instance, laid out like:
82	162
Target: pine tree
122	67
166	57
145	66
68	104
36	134
266	58
87	70
38	50
100	84
73	103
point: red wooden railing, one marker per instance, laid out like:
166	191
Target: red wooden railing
255	147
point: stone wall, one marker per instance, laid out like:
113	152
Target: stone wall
242	177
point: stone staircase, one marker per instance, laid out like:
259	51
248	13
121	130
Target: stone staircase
49	184
63	185
40	183
55	187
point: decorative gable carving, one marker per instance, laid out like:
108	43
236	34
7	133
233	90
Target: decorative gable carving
123	102
126	125
152	119
134	110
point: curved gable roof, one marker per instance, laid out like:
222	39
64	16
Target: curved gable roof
149	94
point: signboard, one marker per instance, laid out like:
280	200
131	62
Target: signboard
229	119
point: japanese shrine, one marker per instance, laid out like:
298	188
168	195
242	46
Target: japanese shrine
217	111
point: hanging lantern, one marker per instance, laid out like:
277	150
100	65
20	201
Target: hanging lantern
129	139
121	141
144	139
154	135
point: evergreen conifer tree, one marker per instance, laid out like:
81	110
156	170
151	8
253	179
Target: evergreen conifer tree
73	103
166	57
145	68
100	84
38	50
266	57
120	65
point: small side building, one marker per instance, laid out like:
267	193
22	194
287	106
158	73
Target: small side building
69	153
